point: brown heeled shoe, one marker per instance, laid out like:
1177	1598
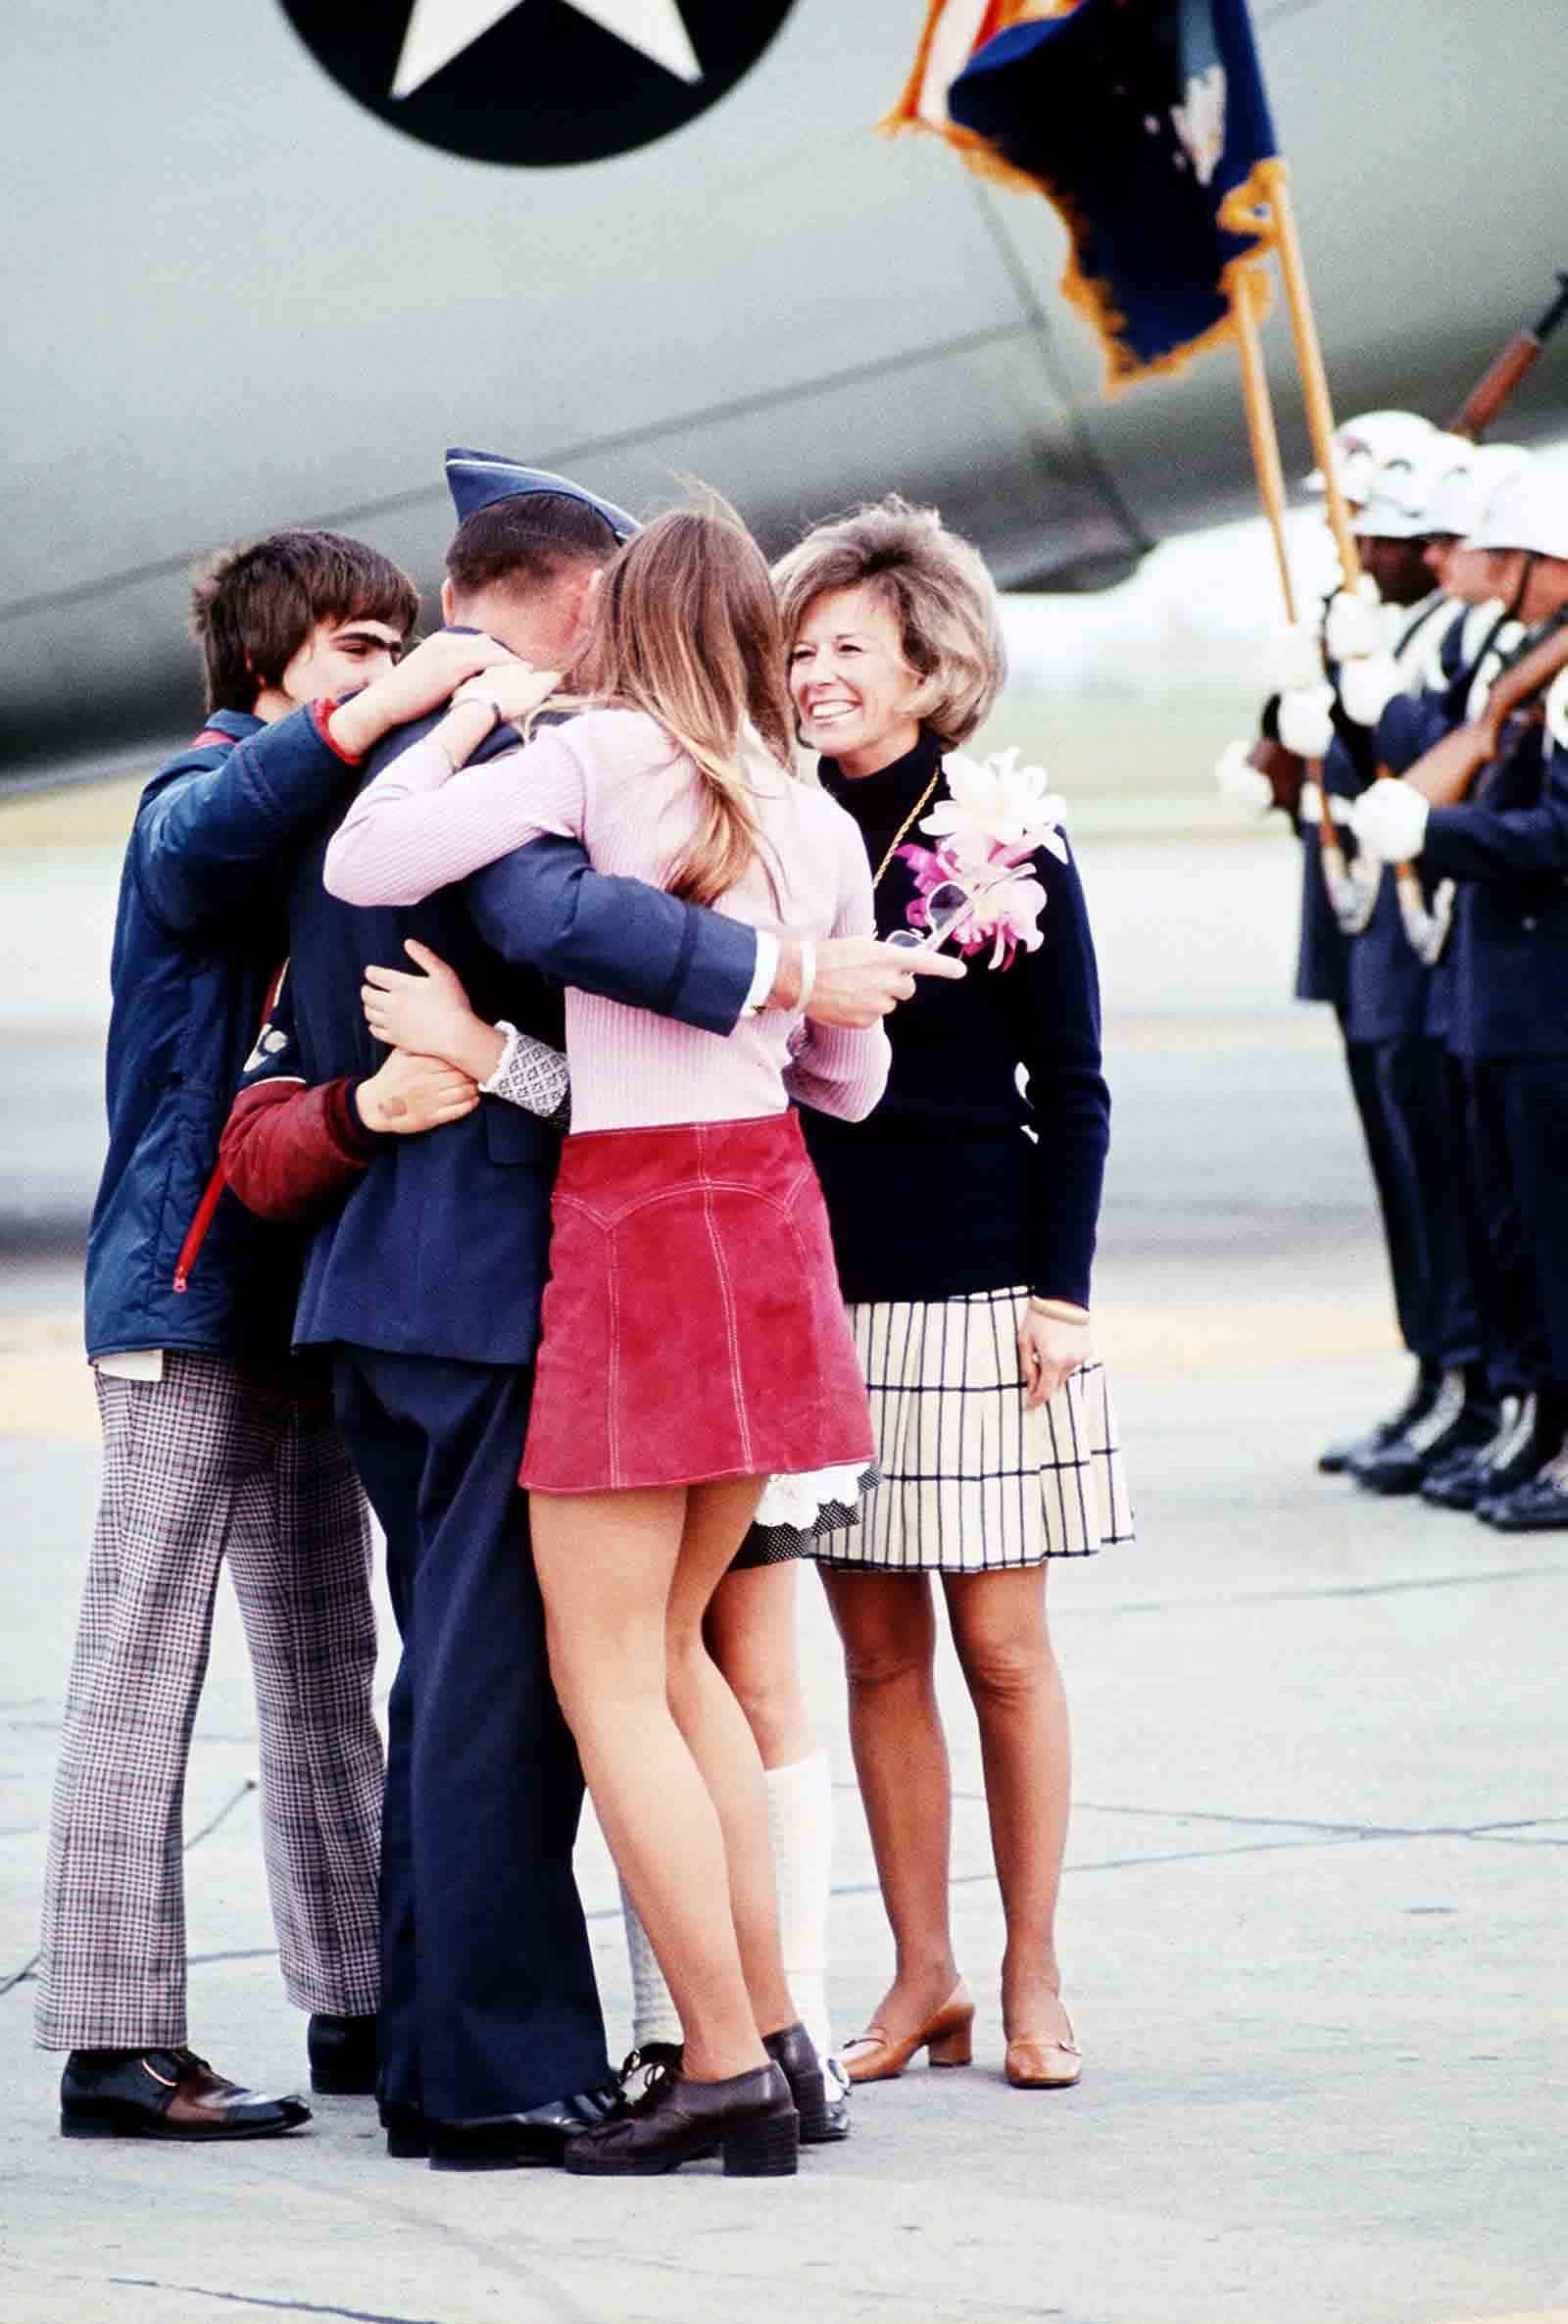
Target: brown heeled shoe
946	2038
1038	2061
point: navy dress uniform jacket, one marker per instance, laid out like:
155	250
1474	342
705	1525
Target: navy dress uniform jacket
1508	848
441	1248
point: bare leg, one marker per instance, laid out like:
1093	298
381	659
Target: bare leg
888	1627
606	1564
750	1629
721	1742
1004	1643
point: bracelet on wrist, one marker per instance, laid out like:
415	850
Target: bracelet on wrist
1059	1310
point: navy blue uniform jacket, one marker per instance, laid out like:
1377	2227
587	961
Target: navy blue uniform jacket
441	1248
1508	848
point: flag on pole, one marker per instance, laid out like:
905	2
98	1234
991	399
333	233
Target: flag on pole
1143	123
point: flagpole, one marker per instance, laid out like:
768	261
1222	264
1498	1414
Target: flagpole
1274	181
1245	296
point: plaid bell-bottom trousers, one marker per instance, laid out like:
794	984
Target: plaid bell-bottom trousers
216	1461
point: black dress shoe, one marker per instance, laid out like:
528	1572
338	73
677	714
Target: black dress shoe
1349	1450
1461	1421
407	2133
1510	1458
342	2054
519	2142
164	2094
1540	1506
822	2103
749	2118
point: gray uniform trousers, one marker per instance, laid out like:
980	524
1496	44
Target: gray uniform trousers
216	1459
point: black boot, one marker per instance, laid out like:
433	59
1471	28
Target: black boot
1349	1450
1462	1418
342	2056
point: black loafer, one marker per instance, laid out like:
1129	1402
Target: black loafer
749	2118
821	2100
164	2094
342	2056
539	2139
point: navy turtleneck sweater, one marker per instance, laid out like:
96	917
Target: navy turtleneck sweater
961	1181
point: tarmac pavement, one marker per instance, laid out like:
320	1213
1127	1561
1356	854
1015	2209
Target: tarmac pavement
1313	1915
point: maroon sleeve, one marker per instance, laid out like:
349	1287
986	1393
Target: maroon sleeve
289	1151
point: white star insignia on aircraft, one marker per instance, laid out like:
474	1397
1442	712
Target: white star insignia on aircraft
441	29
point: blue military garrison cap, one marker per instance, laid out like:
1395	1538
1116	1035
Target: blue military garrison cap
478	479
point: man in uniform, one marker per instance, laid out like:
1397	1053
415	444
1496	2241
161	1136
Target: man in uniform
424	1284
1507	850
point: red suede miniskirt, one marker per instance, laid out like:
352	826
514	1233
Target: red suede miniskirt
692	1325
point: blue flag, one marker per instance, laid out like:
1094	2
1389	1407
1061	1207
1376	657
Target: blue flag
1143	121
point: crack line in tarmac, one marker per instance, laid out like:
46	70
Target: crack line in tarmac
253	2299
1433	1581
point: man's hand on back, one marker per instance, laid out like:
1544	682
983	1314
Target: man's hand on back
859	978
409	1094
422	682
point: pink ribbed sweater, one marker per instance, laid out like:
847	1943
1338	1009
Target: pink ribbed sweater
613	780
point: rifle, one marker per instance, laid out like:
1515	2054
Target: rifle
1498	383
1445	773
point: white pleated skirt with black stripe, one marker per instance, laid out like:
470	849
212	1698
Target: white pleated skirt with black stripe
971	1481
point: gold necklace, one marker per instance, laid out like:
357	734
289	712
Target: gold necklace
923	801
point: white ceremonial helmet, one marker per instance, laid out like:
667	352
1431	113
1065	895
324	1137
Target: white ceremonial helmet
1396	499
1459	500
1362	444
1528	509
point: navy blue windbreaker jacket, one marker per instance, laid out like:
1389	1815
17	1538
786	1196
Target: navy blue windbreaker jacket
198	936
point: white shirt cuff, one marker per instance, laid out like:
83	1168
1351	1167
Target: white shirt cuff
766	971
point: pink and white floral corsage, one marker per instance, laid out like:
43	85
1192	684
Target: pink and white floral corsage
995	818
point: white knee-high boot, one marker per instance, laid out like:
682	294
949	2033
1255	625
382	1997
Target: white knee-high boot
654	2017
800	1823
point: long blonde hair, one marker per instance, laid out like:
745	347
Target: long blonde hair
685	628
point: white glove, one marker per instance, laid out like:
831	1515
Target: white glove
1354	625
1244	785
1368	683
1391	820
1290	660
1305	726
1558	712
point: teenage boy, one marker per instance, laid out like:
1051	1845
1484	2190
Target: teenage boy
215	1442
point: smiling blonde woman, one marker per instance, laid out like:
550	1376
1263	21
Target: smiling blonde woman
964	1212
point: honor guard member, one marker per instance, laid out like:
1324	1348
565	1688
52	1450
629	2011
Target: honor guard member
216	1448
1506	848
1282	769
1382	653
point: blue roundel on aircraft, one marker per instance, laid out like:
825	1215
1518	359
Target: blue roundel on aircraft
537	84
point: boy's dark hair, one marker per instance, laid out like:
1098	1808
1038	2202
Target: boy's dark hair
254	605
528	538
